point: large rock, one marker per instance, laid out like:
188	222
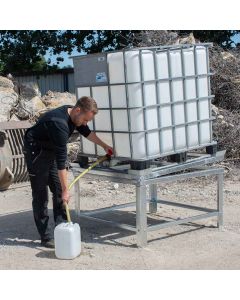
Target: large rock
28	109
56	99
8	98
6	83
29	90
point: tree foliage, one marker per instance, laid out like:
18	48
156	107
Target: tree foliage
24	50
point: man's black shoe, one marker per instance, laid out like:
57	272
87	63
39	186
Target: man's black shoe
49	243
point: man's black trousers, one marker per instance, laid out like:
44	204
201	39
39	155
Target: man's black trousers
42	170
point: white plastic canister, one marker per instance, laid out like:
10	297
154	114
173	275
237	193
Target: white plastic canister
67	238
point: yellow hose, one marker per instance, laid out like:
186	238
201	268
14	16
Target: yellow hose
77	178
84	172
67	212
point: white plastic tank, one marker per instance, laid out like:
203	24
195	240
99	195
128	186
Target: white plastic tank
175	119
67	239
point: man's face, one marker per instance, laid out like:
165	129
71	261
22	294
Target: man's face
82	118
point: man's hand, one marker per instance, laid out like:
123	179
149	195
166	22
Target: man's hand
95	139
65	196
108	150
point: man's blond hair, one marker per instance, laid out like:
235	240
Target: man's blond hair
87	103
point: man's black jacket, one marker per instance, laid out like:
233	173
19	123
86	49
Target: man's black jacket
53	130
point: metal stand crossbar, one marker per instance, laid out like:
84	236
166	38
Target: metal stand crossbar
151	177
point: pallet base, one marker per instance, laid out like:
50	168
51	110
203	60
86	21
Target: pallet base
178	157
212	149
146	164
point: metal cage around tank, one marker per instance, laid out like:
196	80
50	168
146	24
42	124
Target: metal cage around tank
158	104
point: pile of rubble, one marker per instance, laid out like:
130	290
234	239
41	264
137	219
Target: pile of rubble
148	38
226	79
226	130
24	102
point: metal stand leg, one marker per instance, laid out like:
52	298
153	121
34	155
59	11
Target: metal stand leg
141	215
77	198
220	200
153	198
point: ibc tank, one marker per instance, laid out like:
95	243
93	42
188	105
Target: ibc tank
152	101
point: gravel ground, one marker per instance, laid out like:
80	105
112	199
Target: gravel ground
199	245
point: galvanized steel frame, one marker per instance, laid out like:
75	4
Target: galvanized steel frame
152	177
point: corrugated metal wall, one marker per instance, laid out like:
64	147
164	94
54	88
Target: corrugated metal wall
71	84
54	82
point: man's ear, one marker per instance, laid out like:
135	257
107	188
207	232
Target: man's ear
78	109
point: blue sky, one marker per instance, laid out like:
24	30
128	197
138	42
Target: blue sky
236	38
67	61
